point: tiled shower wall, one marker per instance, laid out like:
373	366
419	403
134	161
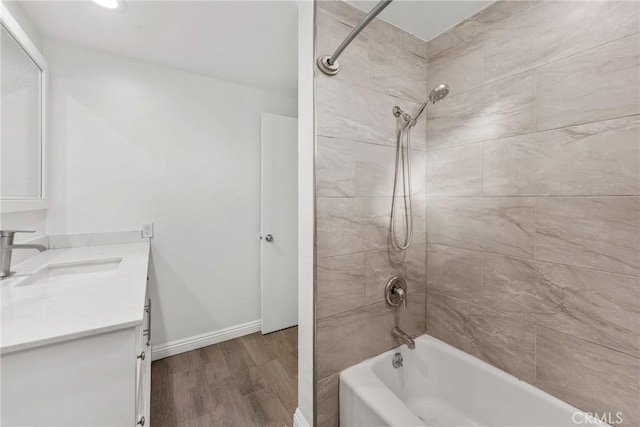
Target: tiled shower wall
532	197
354	181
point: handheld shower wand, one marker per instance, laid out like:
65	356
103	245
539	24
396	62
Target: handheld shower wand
403	160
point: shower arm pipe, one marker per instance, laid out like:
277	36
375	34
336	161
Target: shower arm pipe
329	64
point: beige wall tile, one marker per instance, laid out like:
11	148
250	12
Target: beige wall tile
460	67
494	110
357	113
354	61
502	225
354	112
505	342
328	405
476	24
357	169
341	11
412	318
601	158
340	284
593	378
380	266
349	225
599	307
554	30
602	233
455	171
454	272
598	84
351	337
414	45
385	59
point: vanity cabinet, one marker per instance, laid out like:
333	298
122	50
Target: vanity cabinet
100	380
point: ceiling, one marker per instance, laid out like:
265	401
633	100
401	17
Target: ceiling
253	43
424	18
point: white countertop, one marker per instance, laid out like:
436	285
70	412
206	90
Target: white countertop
44	313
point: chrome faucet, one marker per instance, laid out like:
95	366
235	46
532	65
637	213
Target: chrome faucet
402	338
396	294
7	247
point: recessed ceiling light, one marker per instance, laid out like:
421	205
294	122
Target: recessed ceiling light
110	4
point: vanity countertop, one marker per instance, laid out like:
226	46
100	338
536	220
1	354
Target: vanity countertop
36	314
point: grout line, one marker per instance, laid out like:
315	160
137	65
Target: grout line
577	267
530	196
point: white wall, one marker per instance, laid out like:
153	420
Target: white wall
306	197
34	220
25	22
135	142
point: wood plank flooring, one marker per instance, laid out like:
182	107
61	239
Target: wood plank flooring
245	382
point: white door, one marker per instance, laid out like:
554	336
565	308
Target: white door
279	236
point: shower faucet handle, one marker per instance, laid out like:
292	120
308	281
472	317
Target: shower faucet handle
395	292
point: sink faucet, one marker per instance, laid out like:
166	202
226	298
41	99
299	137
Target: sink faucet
402	338
7	247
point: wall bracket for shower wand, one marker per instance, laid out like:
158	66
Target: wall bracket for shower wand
397	111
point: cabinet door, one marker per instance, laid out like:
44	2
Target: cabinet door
143	369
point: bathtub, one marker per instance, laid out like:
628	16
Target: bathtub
439	385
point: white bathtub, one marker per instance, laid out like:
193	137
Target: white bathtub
442	386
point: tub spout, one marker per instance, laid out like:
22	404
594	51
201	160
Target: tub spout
402	338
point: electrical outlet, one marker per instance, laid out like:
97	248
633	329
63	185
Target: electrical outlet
147	230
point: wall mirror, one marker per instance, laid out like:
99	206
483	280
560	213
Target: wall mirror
23	74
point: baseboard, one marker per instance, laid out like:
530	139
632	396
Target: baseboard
187	344
299	420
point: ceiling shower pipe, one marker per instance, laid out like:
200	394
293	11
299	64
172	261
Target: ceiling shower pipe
329	64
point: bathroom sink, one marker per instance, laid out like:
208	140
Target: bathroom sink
71	272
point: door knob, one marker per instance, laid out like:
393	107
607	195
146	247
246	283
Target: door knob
268	238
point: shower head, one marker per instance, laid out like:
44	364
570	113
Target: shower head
439	93
436	95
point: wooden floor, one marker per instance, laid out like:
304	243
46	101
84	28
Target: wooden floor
248	381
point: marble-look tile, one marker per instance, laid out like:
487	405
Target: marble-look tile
348	338
505	342
382	30
328	406
412	319
380	266
475	25
354	62
598	84
495	110
460	67
353	336
385	59
599	307
356	113
504	225
336	167
455	171
349	225
553	30
590	377
358	169
341	11
454	272
58	241
340	284
601	158
602	233
414	45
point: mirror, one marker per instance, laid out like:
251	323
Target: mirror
22	90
